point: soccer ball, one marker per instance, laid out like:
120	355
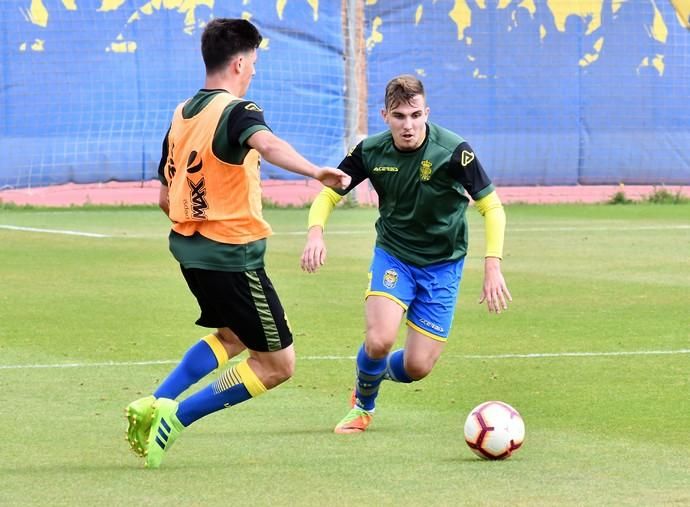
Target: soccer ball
494	430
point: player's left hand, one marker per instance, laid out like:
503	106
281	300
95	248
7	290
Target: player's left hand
495	291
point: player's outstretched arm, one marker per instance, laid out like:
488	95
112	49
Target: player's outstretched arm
279	152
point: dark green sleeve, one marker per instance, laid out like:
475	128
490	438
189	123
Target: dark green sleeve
239	121
353	165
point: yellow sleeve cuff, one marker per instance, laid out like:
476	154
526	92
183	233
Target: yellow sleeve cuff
491	209
322	206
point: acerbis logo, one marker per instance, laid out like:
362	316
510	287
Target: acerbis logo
466	157
431	325
253	107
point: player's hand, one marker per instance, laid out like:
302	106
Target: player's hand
314	254
494	292
333	178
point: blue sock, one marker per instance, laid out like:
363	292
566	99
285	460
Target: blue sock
395	367
234	386
198	361
207	401
369	376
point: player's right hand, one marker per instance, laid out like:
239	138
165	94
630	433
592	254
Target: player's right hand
314	254
333	178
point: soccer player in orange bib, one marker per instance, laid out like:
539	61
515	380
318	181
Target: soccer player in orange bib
211	192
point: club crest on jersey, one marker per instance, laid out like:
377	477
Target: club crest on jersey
425	170
390	278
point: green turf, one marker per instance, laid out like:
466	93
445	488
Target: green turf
602	429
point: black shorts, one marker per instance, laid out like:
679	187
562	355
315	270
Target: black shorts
245	302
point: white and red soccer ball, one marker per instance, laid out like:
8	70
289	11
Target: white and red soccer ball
494	430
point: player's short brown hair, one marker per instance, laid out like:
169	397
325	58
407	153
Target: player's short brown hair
224	38
402	89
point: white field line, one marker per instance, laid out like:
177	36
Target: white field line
163	234
601	228
54	231
542	355
352	232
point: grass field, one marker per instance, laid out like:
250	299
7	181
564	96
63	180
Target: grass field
594	352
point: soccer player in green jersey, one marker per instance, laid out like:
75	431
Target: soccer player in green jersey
422	174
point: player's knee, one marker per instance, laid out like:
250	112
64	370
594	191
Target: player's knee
377	349
277	372
286	369
419	368
378	343
275	378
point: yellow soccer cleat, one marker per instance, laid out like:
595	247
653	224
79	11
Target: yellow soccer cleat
139	415
165	429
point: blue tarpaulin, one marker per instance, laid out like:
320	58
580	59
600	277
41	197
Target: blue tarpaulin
581	94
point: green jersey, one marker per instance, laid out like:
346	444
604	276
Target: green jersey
422	193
